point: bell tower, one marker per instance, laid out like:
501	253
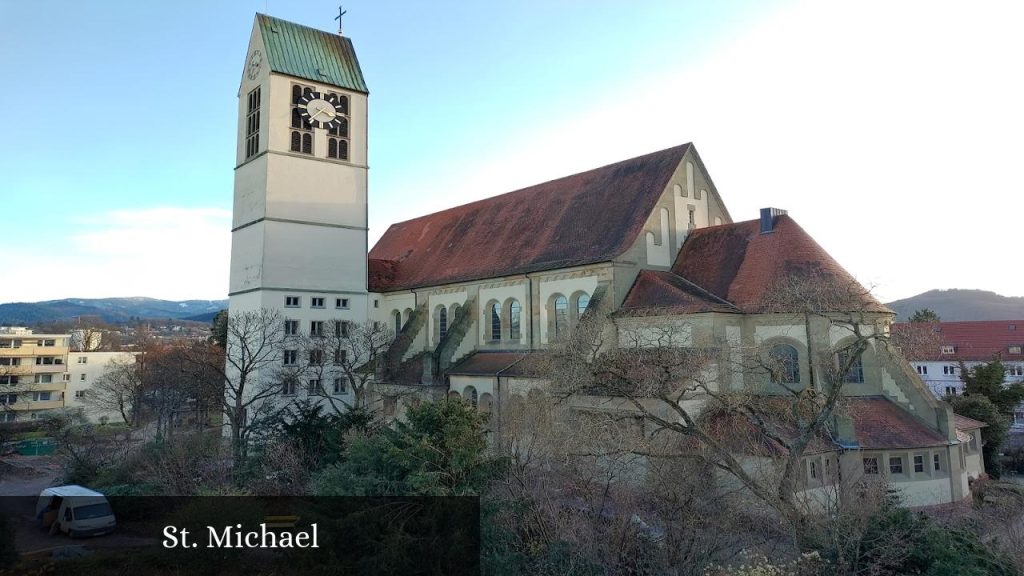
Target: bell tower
299	227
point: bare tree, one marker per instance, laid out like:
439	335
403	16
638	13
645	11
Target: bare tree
120	389
344	359
250	367
715	402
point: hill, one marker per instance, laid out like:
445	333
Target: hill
113	310
961	305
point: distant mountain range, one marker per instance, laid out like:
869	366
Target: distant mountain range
113	310
961	305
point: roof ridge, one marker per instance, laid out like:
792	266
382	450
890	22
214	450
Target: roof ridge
684	146
704	292
275	18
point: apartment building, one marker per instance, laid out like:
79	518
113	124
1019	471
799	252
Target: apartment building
33	373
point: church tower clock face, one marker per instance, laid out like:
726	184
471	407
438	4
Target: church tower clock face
255	62
321	111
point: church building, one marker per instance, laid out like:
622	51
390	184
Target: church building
471	292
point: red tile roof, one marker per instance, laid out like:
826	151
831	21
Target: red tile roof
657	292
737	263
515	363
486	363
965	423
973	341
879	424
586	218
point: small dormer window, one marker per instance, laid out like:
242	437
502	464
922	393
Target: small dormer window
949	349
1014	350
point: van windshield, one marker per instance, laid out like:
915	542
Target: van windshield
93	511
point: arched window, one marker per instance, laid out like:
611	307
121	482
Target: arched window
785	364
582	301
495	322
296	93
341	129
296	142
470	395
343	149
514	320
485	402
307	143
332	148
442	323
854	373
561	315
343	103
398	322
296	118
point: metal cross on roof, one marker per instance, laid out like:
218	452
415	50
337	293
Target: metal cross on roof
338	18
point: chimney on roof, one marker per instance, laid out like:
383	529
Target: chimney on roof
768	216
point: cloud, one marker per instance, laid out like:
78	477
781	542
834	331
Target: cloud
162	252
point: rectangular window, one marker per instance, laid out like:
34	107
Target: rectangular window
252	123
316	303
918	463
288	388
1014	349
936	462
854	368
79	393
8	379
292	301
47	342
43	379
951	390
10	361
949	349
315	387
871	465
48	360
291	357
291	327
341	329
341	302
339	385
81	377
316	328
66	377
8	398
922	370
896	465
949	370
814	471
316	357
10	343
376	303
9	417
82	360
340	356
41	396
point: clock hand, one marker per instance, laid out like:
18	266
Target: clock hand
313	117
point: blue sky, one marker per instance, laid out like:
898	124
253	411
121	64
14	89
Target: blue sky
892	140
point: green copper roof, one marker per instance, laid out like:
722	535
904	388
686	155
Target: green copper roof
311	54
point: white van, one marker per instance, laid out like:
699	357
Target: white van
75	510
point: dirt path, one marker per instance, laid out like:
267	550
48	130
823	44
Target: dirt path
28	475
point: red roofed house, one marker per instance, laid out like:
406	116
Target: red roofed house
472	290
972	343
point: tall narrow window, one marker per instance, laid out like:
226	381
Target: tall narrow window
398	322
561	315
785	364
442	323
854	368
337	135
302	131
495	322
581	305
514	319
252	123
